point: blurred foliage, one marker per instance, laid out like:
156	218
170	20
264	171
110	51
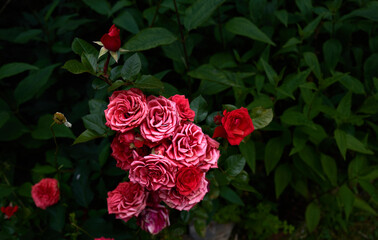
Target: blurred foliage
310	174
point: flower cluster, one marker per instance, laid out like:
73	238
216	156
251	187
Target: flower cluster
166	154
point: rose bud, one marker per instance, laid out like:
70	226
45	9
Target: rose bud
9	211
153	220
111	40
45	193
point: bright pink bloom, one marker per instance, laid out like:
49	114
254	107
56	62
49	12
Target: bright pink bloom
45	193
126	110
9	211
188	145
236	125
162	119
111	40
127	200
183	107
180	202
153	220
210	159
122	152
153	172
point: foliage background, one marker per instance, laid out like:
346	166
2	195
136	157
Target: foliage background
309	175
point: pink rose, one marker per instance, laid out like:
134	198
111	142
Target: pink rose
210	159
162	119
153	220
45	193
188	180
126	110
188	145
180	202
127	200
153	172
183	107
103	238
122	152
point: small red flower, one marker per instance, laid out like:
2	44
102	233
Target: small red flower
111	40
9	211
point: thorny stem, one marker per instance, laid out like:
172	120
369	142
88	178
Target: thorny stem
182	37
81	229
105	77
156	13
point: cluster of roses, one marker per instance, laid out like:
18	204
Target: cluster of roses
166	154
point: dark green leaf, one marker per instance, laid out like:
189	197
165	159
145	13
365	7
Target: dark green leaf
81	186
234	165
352	84
282	16
95	122
244	27
149	82
361	204
313	63
45	169
27	35
12	129
208	72
86	136
249	153
354	144
340	137
57	217
43	130
199	106
79	46
11	69
332	52
75	67
5	190
282	177
261	117
229	194
150	38
270	73
273	152
347	197
126	21
99	6
312	216
329	168
131	67
89	61
311	27
199	12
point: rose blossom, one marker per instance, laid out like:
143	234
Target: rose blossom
127	200
45	193
111	40
210	159
188	180
103	238
153	172
9	211
183	107
162	119
236	125
122	152
126	110
188	144
153	220
180	202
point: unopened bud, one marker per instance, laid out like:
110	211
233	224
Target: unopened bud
59	118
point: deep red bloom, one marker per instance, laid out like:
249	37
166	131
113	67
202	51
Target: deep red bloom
9	211
236	125
111	40
45	193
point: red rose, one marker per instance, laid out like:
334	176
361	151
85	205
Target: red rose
236	125
161	120
122	152
127	200
183	107
153	172
45	193
154	219
111	40
188	180
9	211
126	110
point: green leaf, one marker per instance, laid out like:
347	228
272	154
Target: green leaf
30	86
282	15
291	117
340	137
229	194
273	152
311	27
12	129
79	46
199	12
5	190
99	6
345	105
148	82
358	167
329	168
261	117
312	216
116	84
95	122
361	204
86	136
45	169
270	73
81	185
244	27
347	197
313	63
126	21
332	52
248	151
352	84
131	67
25	190
89	61
354	144
369	188
97	106
75	67
43	130
150	38
57	217
369	12
234	165
282	177
27	35
4	117
12	69
311	158
199	106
